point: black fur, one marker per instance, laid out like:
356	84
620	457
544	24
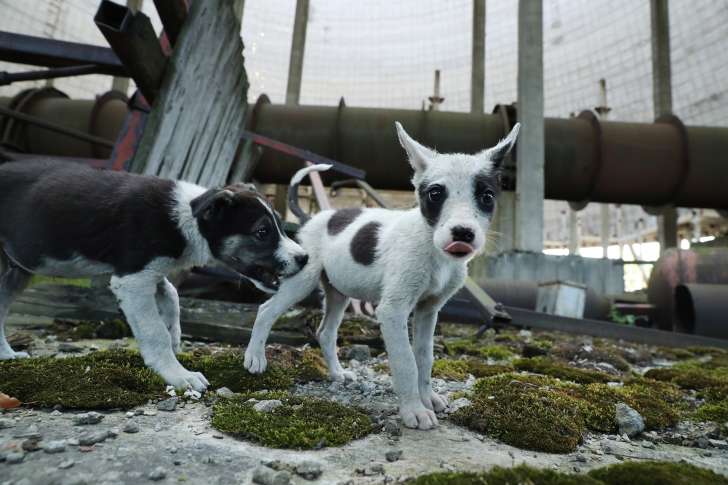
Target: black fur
484	185
364	243
429	208
341	219
51	209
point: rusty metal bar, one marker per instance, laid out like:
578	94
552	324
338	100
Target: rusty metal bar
37	51
172	13
702	308
53	73
132	37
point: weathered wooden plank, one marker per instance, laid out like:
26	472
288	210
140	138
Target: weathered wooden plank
193	130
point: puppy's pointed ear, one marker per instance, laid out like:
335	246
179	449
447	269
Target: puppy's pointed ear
419	155
210	204
498	153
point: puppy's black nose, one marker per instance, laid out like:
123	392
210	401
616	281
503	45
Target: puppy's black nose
301	259
464	234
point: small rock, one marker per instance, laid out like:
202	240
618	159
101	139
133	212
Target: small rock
130	414
55	413
649	445
581	458
65	465
224	392
88	418
309	470
168	405
69	348
6	423
702	442
720	444
393	455
157	474
707	453
72	442
13	457
266	476
31	432
58	446
458	404
31	444
525	334
267	405
630	421
131	427
531	350
91	438
371	470
391	427
359	352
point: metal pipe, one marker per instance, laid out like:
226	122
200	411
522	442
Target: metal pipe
131	36
586	159
55	128
702	309
172	13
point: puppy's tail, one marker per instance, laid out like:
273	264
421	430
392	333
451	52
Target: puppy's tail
293	189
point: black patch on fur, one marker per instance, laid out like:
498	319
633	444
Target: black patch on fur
364	243
430	209
62	209
482	185
341	219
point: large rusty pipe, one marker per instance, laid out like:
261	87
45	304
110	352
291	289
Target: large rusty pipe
702	309
653	164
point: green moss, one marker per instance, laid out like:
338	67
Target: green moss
656	473
710	383
660	405
551	367
102	380
52	280
300	423
717	412
459	370
628	473
505	476
524	414
89	329
225	369
477	349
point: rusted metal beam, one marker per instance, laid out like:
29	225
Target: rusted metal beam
172	13
37	51
53	73
131	35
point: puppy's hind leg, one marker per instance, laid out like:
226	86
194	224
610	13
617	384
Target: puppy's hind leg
168	303
13	280
291	291
334	307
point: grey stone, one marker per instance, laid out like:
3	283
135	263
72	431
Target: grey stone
65	465
131	427
91	438
267	405
168	405
359	352
702	442
30	432
630	421
14	457
6	423
69	348
720	444
224	392
458	404
88	418
371	470
310	470
58	446
157	474
31	444
393	455
266	476
391	427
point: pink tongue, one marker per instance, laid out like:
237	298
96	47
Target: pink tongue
459	248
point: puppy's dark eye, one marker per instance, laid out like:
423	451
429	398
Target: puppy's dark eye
487	199
436	193
262	233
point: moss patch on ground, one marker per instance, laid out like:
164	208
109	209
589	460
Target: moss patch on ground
90	329
299	423
119	378
459	369
543	413
475	348
628	473
553	368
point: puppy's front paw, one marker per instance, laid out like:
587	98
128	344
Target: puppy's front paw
255	361
183	379
14	355
434	401
417	416
342	375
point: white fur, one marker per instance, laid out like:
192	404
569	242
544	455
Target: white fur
411	274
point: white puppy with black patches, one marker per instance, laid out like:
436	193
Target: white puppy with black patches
407	261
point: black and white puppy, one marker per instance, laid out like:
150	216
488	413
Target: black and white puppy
407	261
69	220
